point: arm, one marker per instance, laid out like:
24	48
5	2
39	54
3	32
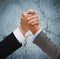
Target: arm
8	45
13	41
47	45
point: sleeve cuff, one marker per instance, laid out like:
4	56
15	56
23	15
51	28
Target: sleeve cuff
19	35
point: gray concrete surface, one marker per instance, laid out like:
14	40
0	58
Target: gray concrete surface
49	17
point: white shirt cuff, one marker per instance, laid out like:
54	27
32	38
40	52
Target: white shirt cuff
34	36
19	35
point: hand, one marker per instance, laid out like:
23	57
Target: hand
22	27
30	20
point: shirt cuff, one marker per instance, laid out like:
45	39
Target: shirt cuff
19	35
35	35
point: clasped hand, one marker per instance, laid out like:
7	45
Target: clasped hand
29	21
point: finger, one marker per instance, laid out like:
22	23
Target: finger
33	20
29	15
31	12
23	19
35	23
32	17
24	14
23	22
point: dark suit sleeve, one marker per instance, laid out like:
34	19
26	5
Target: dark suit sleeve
8	46
47	45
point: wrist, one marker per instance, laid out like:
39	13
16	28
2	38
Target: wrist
35	29
22	30
36	34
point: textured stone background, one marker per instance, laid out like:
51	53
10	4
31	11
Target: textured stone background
49	16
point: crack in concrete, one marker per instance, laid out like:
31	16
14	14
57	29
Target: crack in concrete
46	19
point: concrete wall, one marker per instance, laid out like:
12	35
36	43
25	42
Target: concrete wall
49	17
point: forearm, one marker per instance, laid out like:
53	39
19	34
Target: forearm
9	45
47	45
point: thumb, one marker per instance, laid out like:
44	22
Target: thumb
25	15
